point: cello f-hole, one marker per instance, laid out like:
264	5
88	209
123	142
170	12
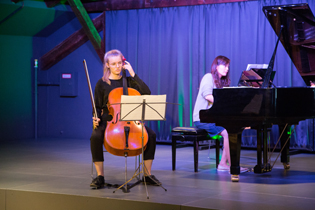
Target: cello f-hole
127	129
117	116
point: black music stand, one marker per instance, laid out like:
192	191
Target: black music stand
142	108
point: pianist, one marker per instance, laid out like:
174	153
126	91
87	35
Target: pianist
218	78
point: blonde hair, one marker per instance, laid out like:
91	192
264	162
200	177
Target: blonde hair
106	70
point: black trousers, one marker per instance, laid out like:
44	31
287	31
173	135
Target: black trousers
97	142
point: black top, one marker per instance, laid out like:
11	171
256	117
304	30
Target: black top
102	90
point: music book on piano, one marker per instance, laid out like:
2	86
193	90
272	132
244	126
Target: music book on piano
256	66
254	75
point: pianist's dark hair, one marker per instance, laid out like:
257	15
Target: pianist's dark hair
223	81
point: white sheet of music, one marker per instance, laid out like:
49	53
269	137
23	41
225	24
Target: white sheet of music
131	107
256	66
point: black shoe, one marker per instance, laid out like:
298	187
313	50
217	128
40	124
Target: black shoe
98	182
152	180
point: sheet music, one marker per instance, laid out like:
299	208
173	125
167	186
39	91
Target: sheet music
256	66
131	107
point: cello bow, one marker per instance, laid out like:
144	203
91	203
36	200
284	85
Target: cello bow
90	89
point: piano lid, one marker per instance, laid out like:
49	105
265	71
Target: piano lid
298	35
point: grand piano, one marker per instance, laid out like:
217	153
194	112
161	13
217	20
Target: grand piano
238	107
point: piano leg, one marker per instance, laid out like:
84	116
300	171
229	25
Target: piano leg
285	157
235	151
266	135
262	151
259	167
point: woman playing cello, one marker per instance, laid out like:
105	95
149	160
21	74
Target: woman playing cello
112	78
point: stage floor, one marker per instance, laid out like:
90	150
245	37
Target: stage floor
56	173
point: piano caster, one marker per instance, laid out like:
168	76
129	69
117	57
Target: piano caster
286	165
235	178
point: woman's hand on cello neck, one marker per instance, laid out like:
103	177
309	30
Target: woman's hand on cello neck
128	67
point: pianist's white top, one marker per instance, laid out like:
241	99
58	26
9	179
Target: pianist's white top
206	88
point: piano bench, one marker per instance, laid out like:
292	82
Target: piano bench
193	134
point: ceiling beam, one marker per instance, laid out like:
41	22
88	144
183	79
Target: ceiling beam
107	5
87	26
69	45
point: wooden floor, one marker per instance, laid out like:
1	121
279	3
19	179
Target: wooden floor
56	173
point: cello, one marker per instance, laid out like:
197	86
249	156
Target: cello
123	138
